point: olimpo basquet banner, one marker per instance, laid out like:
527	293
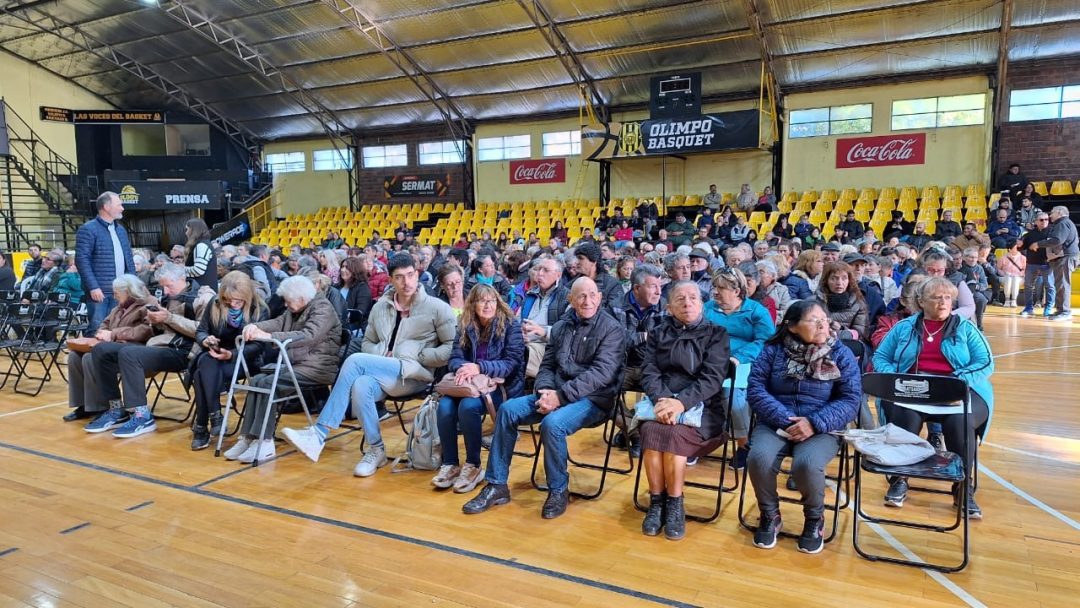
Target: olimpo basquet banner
547	171
705	133
883	151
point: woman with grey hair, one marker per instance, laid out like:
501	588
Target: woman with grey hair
769	276
309	320
125	323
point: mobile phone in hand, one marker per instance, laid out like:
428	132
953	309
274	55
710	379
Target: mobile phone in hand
153	307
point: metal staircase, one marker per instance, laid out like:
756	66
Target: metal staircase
35	204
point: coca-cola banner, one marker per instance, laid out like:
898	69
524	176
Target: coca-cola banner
547	171
883	151
424	184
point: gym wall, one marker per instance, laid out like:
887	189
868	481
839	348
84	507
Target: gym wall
26	87
1047	150
954	155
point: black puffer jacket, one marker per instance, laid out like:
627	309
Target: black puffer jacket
690	361
584	359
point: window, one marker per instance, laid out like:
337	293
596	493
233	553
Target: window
1043	104
502	148
442	152
285	162
562	143
331	160
837	120
936	112
385	156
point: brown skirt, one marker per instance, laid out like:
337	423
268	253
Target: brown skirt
677	439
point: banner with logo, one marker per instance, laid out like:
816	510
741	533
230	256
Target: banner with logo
705	133
233	231
548	171
170	195
423	184
883	151
101	116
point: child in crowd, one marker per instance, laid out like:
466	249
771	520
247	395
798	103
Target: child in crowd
1011	266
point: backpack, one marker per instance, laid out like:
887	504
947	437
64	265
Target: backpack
423	450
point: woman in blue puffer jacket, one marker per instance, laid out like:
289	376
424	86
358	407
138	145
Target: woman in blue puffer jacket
804	385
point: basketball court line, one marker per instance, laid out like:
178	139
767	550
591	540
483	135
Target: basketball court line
1028	497
34	409
1034	350
450	549
1031	454
901	548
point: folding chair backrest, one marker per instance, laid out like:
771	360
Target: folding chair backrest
927	393
58	314
9	296
35	296
20	311
60	297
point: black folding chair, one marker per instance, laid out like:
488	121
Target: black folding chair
43	343
614	421
925	393
723	459
156	381
16	332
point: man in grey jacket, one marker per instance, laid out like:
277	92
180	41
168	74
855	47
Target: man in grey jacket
575	388
409	335
1062	253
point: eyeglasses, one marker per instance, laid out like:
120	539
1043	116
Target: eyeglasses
939	298
819	321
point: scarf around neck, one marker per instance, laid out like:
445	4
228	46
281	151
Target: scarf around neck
810	360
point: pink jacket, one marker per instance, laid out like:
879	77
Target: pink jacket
1012	265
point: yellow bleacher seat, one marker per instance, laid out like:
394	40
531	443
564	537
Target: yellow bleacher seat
818	217
975	190
726	198
676	200
848	194
756	218
863	215
804	206
824	205
953	192
953	204
975	213
810	196
1061	188
872	194
978	201
864	205
1040	187
828	195
785	206
843	205
789	197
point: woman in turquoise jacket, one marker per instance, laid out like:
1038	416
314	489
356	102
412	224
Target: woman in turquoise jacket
748	325
934	341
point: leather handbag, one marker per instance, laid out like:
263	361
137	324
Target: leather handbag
477	386
81	345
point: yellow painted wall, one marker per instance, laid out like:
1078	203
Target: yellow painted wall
26	87
629	177
954	155
309	190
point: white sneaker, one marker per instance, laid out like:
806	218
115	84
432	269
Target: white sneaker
470	476
447	475
308	440
265	449
238	448
371	462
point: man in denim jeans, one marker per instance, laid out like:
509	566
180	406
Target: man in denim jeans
575	388
1037	277
409	335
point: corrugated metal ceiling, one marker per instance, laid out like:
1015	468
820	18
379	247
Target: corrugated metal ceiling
493	62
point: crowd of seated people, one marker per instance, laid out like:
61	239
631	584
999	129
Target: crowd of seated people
564	330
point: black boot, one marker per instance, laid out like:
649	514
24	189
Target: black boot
200	439
654	517
674	518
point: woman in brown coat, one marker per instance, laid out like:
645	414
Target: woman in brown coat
125	323
312	324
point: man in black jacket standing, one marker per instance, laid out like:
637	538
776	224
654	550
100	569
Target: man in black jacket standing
575	388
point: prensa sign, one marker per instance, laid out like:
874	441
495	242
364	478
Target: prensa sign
883	151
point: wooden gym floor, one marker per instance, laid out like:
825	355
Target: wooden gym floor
88	520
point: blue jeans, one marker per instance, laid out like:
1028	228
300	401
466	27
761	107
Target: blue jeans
1036	278
363	380
554	429
97	311
467	414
